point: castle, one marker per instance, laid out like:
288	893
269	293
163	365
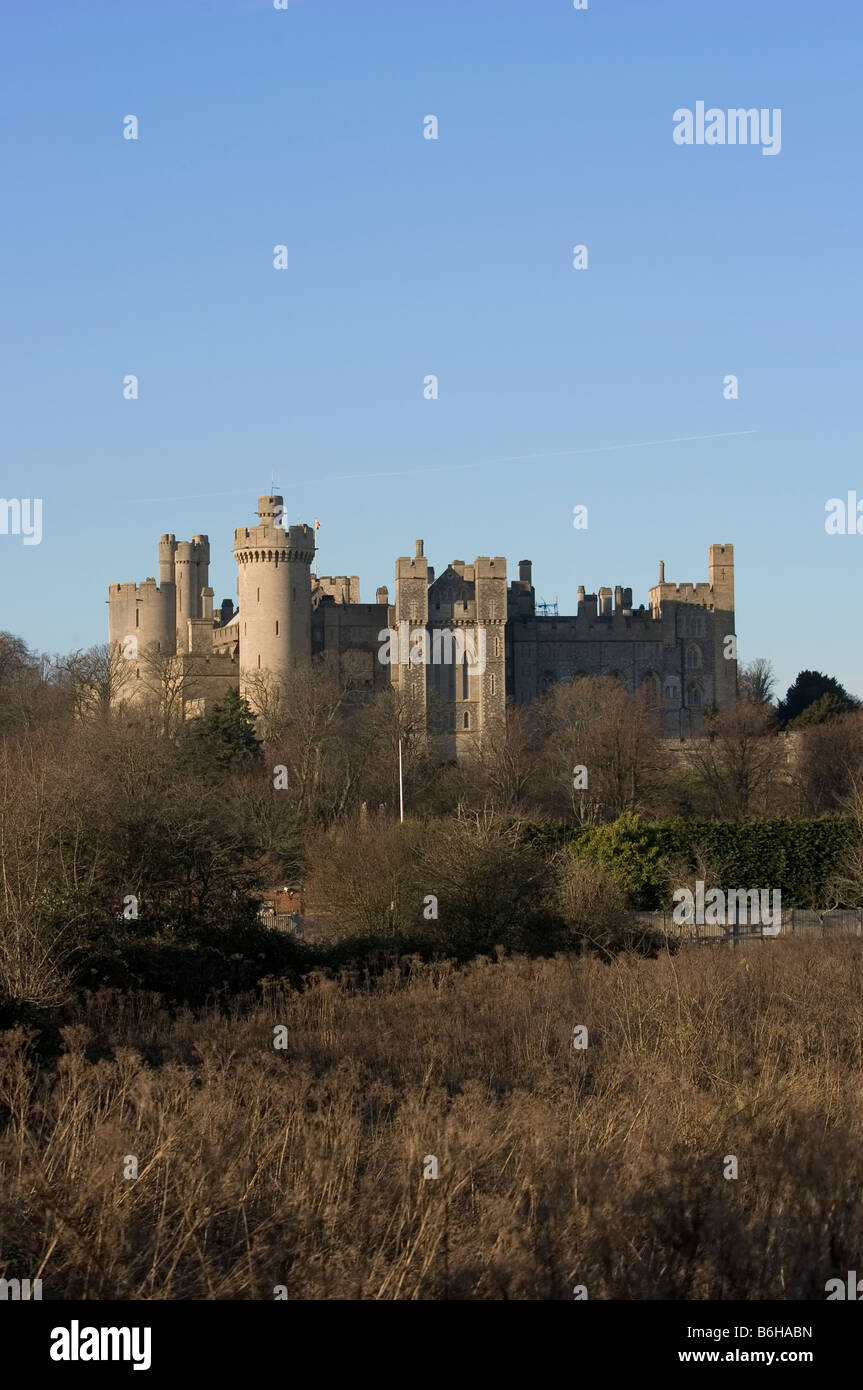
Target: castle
175	645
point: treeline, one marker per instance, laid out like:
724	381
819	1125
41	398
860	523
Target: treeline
587	753
132	855
134	844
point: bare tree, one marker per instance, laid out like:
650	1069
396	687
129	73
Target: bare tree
600	748
506	761
28	693
268	700
372	737
826	762
736	762
163	679
308	715
95	678
846	884
756	681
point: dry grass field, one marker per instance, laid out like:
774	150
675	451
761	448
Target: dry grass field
603	1167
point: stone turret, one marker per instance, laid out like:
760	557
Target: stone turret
192	571
275	596
141	616
491	593
167	551
411	607
716	595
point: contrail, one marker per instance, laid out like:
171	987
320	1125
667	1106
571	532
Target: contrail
459	467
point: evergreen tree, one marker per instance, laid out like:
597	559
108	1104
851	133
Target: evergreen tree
811	688
227	732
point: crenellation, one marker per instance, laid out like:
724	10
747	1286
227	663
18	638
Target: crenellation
675	650
339	588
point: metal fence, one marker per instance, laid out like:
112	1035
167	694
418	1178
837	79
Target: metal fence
794	921
283	921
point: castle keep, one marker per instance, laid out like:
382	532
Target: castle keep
180	649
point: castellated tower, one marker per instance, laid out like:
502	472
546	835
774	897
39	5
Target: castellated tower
166	633
192	574
275	595
699	633
167	551
491	596
143	612
721	579
411	607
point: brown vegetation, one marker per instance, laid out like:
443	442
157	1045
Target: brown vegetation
304	1167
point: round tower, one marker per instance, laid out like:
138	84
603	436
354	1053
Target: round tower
275	595
202	555
186	563
167	550
141	616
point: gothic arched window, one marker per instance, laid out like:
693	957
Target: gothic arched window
650	688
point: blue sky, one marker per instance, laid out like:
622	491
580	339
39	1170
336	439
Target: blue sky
454	257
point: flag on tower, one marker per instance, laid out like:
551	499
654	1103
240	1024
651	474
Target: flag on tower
317	526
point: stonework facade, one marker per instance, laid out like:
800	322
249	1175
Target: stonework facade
677	649
468	642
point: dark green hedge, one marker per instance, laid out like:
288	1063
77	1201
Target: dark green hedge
797	856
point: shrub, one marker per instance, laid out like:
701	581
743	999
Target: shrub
594	907
630	851
493	888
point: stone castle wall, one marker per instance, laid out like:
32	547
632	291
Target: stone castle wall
677	649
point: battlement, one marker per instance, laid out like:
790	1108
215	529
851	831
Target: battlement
700	592
589	623
717	593
287	617
412	567
143	611
268	544
146	592
486	568
271	542
340	587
